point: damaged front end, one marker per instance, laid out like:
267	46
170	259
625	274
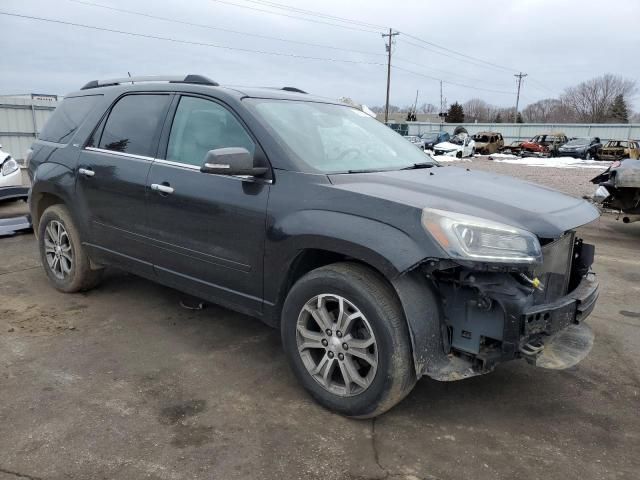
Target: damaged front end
619	188
489	313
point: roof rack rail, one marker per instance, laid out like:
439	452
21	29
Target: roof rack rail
191	78
292	89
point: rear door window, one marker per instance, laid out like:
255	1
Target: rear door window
67	118
133	124
201	125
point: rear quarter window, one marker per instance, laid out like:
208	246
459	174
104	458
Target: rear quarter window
67	118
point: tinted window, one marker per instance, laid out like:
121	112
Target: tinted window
67	118
201	125
133	123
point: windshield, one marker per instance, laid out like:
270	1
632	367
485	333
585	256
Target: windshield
481	138
334	138
578	142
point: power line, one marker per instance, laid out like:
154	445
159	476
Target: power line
437	52
451	83
541	86
508	69
296	17
188	42
316	14
227	47
479	62
447	72
200	25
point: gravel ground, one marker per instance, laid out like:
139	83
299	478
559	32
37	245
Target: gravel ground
573	181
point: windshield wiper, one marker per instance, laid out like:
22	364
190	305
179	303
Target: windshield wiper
365	170
419	165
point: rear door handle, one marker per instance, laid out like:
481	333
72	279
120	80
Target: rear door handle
86	172
158	187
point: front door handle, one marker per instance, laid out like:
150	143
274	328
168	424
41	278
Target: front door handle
158	187
86	172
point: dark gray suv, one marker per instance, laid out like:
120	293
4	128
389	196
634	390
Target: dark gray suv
377	264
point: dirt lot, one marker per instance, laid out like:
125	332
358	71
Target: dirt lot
121	382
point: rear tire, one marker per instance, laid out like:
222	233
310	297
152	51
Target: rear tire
64	258
372	316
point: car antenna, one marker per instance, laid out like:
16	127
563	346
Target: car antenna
129	73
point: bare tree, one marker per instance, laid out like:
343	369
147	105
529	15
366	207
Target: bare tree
478	110
428	108
591	100
548	110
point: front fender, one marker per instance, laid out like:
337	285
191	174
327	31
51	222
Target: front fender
383	246
387	249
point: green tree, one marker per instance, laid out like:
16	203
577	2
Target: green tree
455	113
498	118
619	112
519	118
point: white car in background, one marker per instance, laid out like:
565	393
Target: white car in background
10	178
461	145
417	141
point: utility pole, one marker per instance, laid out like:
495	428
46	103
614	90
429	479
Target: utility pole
391	34
441	106
519	76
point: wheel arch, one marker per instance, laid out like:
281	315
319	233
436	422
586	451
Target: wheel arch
53	184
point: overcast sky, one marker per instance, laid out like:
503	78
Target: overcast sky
558	43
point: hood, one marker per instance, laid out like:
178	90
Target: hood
447	146
540	210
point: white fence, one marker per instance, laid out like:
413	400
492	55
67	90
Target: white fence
21	119
523	131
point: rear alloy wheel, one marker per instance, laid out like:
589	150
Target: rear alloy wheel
64	258
347	341
57	250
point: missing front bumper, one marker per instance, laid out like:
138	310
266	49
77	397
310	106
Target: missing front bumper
565	349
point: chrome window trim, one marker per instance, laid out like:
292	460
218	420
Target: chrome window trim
177	164
119	154
188	166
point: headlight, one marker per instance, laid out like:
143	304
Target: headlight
466	237
9	166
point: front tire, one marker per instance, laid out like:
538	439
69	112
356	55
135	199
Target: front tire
63	256
347	341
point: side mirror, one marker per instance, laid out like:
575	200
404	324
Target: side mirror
231	161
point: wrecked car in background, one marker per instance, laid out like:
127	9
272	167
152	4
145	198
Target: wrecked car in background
416	140
586	148
488	142
10	178
460	145
546	144
431	139
377	264
514	147
619	149
619	188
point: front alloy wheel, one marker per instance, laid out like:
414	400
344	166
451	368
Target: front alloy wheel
347	341
337	345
